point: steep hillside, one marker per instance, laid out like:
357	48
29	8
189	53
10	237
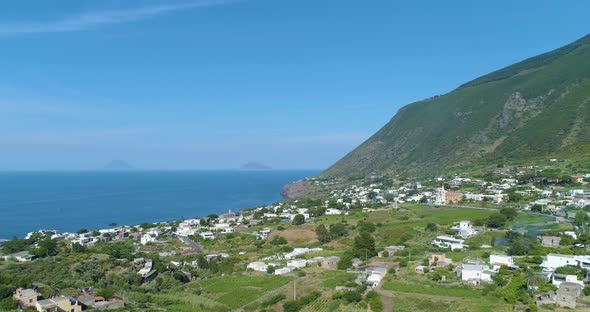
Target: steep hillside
537	108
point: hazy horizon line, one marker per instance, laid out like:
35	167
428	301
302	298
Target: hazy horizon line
155	169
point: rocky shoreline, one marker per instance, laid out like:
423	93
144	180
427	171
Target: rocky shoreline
294	190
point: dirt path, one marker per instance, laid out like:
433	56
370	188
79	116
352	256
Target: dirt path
386	298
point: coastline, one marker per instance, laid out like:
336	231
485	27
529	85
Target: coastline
153	196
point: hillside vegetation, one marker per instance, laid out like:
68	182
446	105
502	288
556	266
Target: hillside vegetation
534	109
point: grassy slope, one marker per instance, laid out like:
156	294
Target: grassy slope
535	108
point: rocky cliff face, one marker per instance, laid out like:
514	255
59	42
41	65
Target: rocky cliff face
294	190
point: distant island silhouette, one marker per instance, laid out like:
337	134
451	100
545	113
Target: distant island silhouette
118	165
255	166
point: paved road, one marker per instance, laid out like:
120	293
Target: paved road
189	242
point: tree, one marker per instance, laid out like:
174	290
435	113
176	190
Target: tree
46	247
566	240
298	219
14	245
364	246
76	247
212	216
146	225
107	293
338	230
537	208
569	270
322	233
8	304
352	296
431	227
514	197
519	244
202	262
345	261
581	219
82	231
278	240
364	226
260	213
496	220
509	213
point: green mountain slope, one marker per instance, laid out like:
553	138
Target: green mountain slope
537	108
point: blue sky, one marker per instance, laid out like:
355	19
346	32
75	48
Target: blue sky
196	84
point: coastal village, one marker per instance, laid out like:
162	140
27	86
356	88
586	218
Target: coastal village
517	236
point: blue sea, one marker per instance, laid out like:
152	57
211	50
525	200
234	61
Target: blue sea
68	201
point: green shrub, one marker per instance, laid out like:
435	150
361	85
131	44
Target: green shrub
352	296
296	305
272	300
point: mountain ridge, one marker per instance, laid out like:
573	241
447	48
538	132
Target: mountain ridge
535	108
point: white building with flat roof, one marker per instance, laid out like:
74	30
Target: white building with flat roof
557	279
554	261
333	212
476	272
444	241
257	266
207	235
297	263
498	261
464	229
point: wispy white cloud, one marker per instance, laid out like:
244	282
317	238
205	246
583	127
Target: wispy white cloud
93	20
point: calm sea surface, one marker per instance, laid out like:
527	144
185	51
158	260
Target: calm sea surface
68	201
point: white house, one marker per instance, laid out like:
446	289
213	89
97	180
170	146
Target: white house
227	230
497	261
207	235
302	210
474	197
297	263
147	238
22	256
300	251
475	272
557	279
257	266
464	229
221	226
444	241
554	261
571	234
579	202
375	277
185	229
282	271
291	216
191	222
333	212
